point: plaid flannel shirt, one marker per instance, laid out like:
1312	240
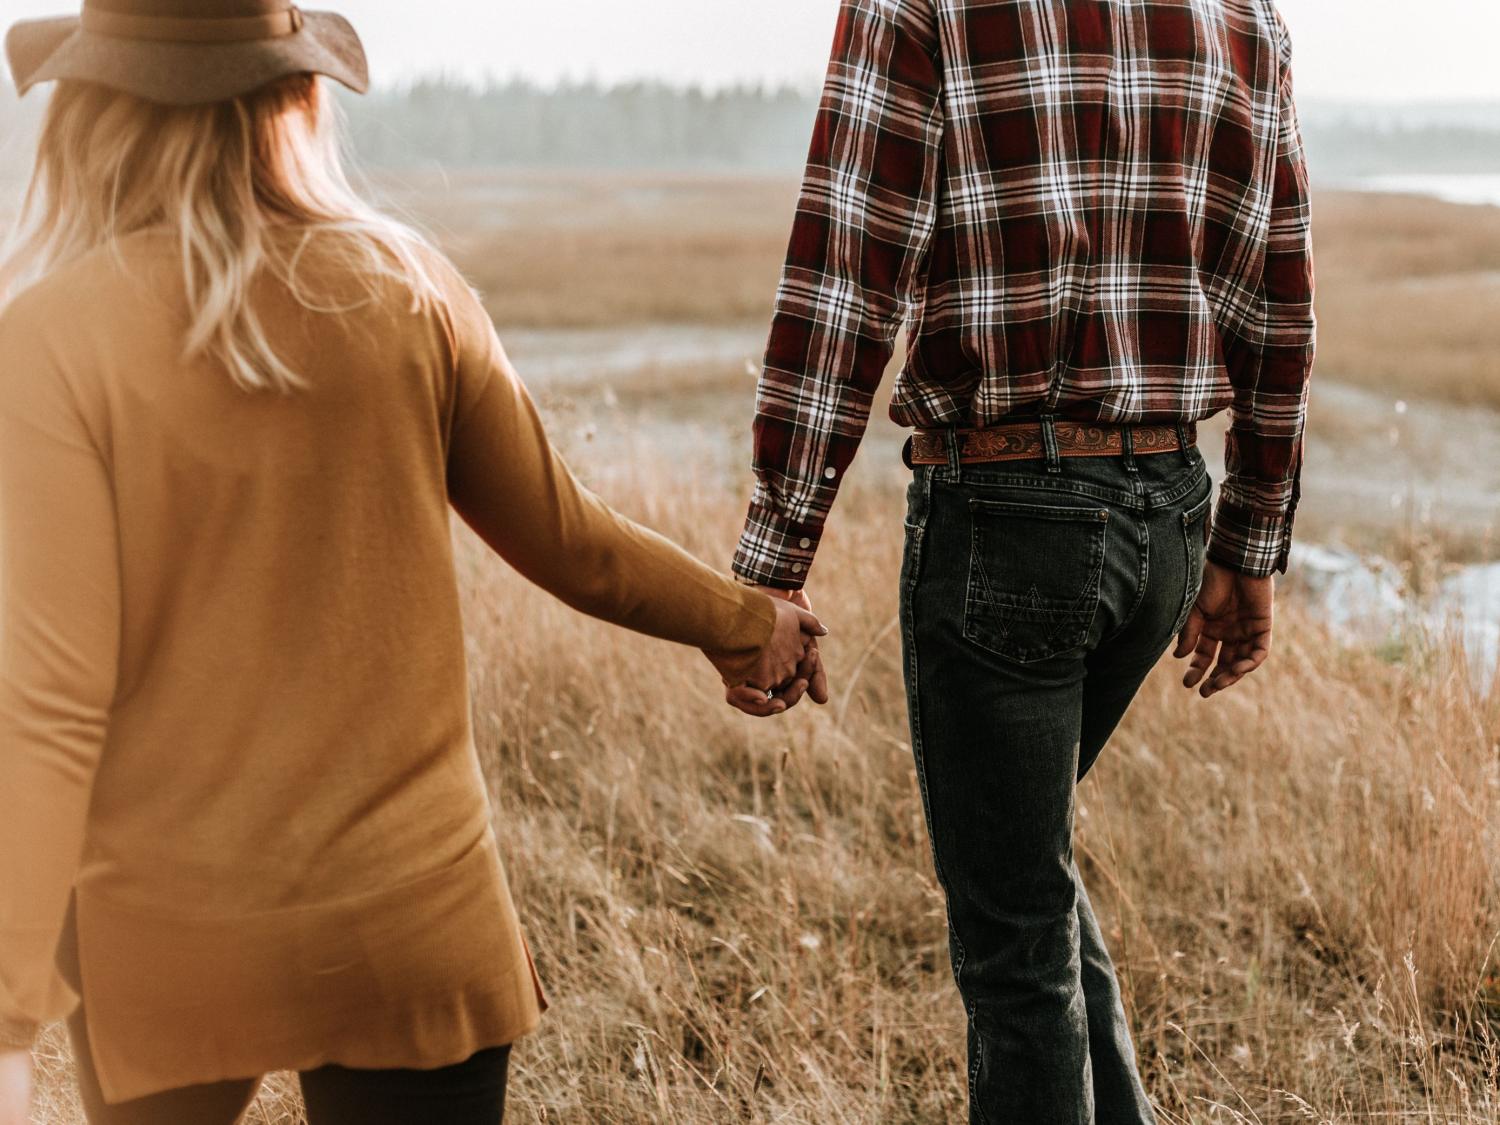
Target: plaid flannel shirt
1087	208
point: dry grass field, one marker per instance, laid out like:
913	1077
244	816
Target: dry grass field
1405	454
1409	288
615	250
1409	296
738	920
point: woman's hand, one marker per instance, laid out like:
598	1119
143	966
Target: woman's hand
15	1086
782	664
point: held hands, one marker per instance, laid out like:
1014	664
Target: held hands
1231	623
15	1086
788	668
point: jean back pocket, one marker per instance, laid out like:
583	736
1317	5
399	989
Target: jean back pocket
1034	575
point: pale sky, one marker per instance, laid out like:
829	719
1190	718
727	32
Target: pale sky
1359	50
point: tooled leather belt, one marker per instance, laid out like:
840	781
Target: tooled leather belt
1024	441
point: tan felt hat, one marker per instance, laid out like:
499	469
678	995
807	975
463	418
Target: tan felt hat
186	52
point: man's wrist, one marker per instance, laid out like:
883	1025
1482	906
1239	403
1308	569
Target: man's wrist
771	585
775	551
1230	553
1249	542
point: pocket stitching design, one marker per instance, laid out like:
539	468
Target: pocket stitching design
1059	616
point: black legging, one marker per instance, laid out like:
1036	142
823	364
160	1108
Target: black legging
470	1093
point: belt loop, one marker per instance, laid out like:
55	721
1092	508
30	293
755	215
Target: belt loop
1049	443
1182	442
1127	451
955	455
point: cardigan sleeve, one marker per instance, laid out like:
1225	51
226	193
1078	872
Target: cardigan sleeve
514	489
59	643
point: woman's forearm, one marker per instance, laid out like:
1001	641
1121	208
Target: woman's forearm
518	494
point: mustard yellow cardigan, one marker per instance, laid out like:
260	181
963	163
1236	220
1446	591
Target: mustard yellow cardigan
234	708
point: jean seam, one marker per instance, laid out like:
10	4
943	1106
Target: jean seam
1176	493
908	624
913	667
1190	592
1143	579
976	1107
1139	497
1066	485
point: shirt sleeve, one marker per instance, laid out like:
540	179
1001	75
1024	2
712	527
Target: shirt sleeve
514	489
1270	364
859	243
59	645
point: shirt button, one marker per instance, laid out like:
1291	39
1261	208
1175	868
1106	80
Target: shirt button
796	568
830	472
805	544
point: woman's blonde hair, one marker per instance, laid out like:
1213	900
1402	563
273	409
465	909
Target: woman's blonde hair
223	178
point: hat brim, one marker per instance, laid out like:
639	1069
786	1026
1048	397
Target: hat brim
184	73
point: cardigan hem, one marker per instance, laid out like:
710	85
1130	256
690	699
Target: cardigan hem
418	976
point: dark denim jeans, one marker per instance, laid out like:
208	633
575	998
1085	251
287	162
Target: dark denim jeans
1035	600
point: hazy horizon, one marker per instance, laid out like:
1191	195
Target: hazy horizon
1348	50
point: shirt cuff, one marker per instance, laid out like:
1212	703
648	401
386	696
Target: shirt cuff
775	551
15	1035
1253	543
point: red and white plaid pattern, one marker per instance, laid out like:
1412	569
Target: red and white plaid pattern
1096	209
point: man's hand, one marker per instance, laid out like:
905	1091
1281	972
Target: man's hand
1230	623
808	678
777	676
15	1086
811	678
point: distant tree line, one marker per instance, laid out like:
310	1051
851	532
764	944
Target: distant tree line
650	125
1344	150
640	124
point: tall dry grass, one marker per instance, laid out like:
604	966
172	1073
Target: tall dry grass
738	921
